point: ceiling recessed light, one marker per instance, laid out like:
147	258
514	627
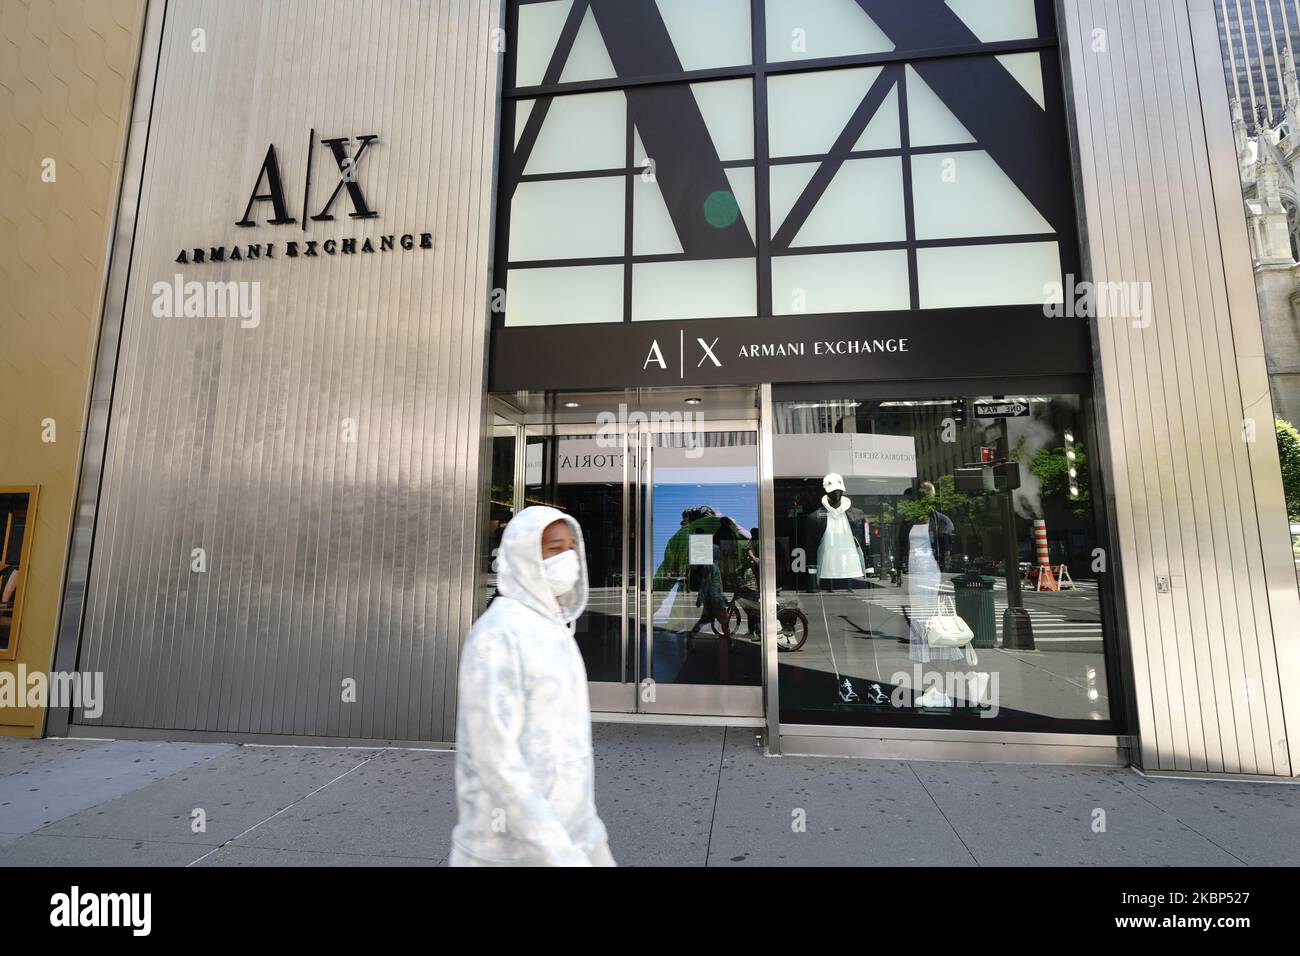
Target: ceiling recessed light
572	404
694	401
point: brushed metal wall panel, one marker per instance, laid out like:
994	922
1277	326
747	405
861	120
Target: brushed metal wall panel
327	559
1213	659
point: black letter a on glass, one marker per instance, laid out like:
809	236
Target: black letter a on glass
271	172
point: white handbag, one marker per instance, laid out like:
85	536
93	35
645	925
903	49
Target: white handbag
946	629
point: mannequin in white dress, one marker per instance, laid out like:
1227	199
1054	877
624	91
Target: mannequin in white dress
837	553
837	536
923	580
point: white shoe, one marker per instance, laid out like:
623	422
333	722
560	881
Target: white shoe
847	693
933	697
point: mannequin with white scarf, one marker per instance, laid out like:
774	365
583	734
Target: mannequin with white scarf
837	535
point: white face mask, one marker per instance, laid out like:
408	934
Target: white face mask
562	572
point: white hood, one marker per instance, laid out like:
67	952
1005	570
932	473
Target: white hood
525	778
519	565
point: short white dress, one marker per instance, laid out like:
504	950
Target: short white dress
838	556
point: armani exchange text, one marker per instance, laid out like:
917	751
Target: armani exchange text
823	347
306	248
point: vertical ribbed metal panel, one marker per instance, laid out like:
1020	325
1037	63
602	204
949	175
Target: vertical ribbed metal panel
1215	659
326	560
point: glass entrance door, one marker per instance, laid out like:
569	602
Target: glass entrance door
701	651
669	517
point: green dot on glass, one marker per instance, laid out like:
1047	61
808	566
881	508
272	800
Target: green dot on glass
721	209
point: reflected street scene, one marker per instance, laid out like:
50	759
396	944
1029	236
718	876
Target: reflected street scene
944	555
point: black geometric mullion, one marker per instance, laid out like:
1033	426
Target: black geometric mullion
629	212
762	158
1045	15
687	170
797	160
919	24
637	30
687	167
835	159
542	105
909	197
1026	142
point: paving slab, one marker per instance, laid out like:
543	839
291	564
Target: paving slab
235	790
21	753
655	790
398	803
248	856
1017	815
820	811
670	795
1259	822
36	849
48	791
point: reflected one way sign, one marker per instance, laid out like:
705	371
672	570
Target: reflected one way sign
1002	408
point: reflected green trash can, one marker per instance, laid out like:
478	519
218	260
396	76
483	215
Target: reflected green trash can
974	600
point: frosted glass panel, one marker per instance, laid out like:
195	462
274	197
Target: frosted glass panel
967	194
840	282
583	132
808	111
653	233
714	288
588	60
808	29
566	296
863	203
882	132
708	33
567	219
728	111
995	20
539	30
1027	68
930	122
1018	273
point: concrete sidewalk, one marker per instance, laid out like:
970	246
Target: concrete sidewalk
669	796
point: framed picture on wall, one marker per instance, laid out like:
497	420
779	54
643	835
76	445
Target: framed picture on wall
17	520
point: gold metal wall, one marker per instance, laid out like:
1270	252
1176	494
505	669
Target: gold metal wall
66	69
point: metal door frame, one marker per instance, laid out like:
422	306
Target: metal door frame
627	697
705	700
615	697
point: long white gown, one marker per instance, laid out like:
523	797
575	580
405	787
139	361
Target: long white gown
923	597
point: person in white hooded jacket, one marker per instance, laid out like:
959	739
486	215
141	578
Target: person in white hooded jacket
525	777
